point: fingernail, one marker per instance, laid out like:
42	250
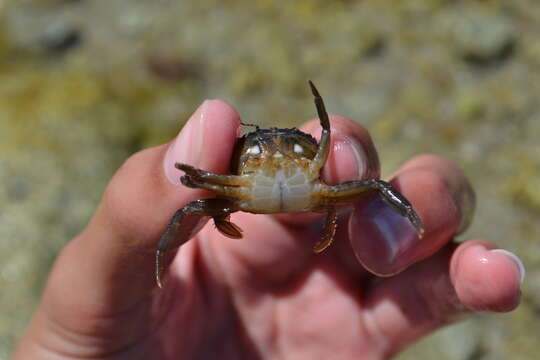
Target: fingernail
187	146
515	260
465	198
381	238
348	161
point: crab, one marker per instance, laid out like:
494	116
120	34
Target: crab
276	171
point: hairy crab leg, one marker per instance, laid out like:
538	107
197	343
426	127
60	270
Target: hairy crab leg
205	176
324	144
352	190
330	225
218	209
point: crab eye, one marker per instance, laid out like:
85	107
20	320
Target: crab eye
254	150
298	149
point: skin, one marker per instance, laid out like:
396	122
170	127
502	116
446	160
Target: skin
266	296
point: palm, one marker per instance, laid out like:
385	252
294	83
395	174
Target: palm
269	294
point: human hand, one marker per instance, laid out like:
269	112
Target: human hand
267	295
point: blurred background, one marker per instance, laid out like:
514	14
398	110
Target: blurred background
83	84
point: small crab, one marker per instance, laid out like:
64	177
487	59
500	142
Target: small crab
277	171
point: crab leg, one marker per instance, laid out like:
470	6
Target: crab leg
224	190
330	225
205	176
175	235
353	190
324	144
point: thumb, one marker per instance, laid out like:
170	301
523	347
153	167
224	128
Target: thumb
145	193
108	268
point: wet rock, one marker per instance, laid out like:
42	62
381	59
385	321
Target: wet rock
38	30
483	38
59	37
171	67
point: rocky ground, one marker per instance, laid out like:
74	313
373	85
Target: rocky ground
85	83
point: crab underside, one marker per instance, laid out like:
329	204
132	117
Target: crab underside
274	171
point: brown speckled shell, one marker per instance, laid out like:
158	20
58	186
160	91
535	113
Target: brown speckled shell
268	139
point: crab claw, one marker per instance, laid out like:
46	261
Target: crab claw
186	180
227	228
186	168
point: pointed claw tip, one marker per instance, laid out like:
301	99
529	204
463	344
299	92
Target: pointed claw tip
417	224
314	90
158	268
183	167
158	281
319	248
